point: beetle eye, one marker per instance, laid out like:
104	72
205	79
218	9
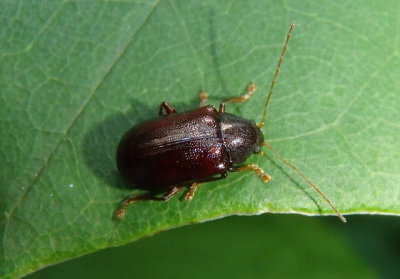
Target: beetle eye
257	149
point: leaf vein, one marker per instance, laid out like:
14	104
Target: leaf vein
71	124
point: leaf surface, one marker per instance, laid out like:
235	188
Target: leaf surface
76	75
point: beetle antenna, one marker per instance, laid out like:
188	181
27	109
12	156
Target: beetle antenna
306	179
261	124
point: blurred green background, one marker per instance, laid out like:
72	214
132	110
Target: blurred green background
265	246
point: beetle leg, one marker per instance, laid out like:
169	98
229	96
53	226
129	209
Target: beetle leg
121	211
203	96
263	176
251	88
167	107
170	193
189	194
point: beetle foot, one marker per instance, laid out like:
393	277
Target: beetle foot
119	213
251	88
131	199
189	194
265	177
203	96
261	174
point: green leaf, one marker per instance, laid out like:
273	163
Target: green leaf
75	75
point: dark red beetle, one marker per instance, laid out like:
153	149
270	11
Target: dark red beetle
179	149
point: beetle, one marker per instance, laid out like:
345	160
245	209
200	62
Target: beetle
188	148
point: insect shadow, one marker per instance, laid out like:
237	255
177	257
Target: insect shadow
101	141
291	178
